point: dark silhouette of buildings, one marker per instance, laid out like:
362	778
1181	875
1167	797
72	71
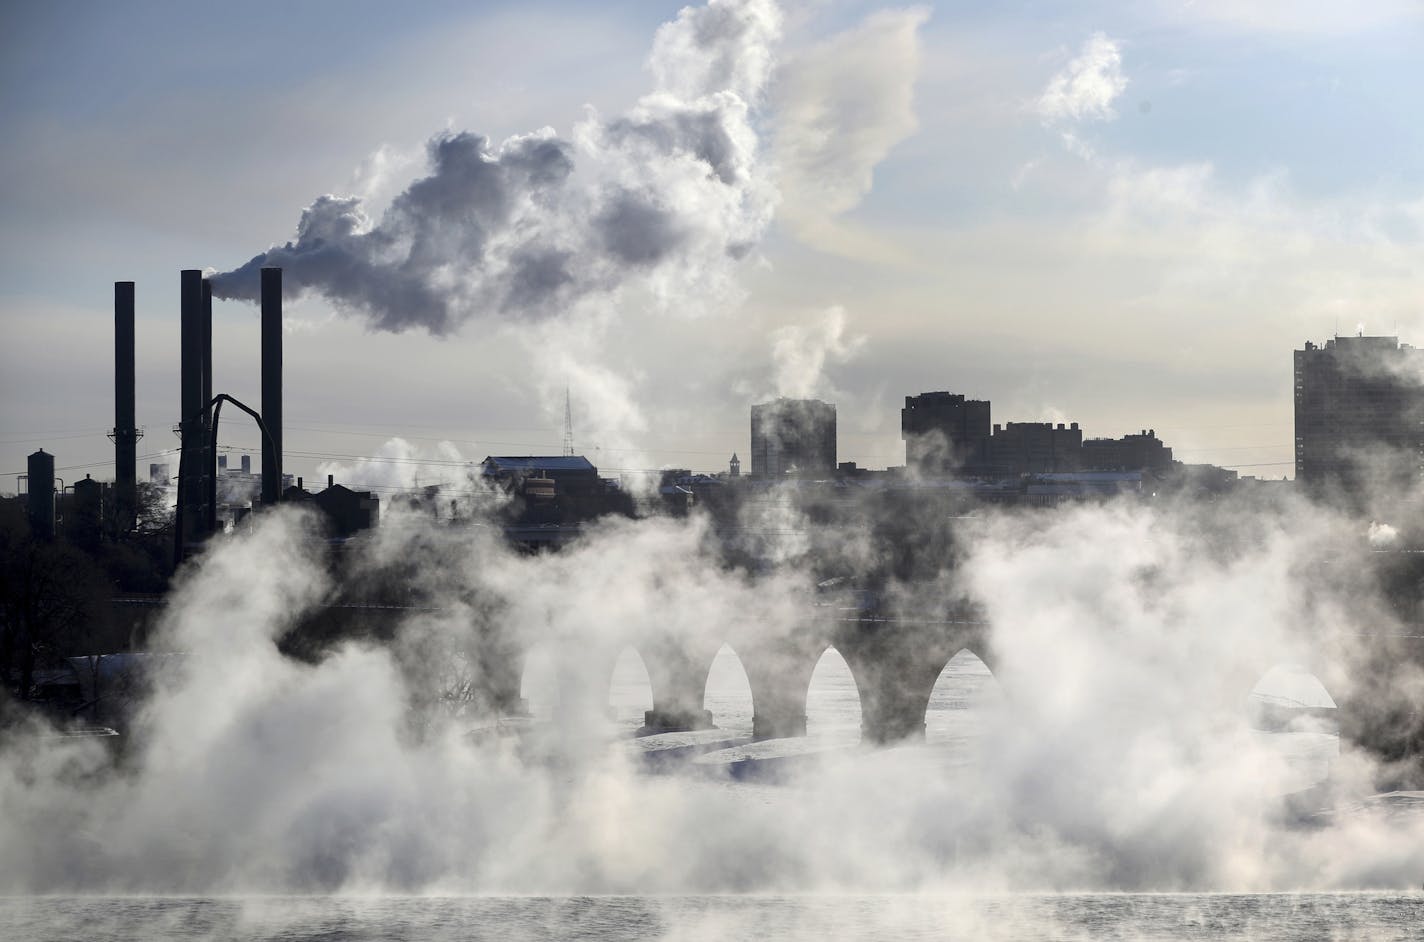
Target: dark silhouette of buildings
793	435
347	511
1359	410
344	511
555	489
1141	452
518	470
944	432
1035	448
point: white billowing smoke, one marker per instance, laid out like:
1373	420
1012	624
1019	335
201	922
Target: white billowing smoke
662	199
399	466
800	354
1125	638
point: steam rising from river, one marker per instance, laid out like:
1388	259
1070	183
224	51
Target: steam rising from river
1123	637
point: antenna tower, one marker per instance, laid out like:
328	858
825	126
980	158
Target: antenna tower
568	426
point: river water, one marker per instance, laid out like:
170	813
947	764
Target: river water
1261	918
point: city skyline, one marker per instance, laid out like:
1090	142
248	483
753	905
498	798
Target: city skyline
1119	245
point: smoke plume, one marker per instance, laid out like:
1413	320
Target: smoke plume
664	198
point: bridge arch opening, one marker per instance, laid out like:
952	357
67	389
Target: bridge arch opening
833	700
965	689
1292	712
1289	698
630	690
728	692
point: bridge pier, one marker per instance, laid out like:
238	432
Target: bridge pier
1383	714
677	671
779	673
499	660
896	668
583	671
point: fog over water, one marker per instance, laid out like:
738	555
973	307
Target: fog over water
1109	752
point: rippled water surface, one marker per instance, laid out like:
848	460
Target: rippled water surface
1069	917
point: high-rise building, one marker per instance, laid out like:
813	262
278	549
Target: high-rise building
944	432
1143	451
1359	415
1035	448
793	435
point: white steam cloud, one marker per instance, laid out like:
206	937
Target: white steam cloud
664	199
800	354
1125	638
1086	89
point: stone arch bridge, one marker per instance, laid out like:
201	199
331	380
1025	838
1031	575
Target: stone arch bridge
895	663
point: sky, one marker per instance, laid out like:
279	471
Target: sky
1123	215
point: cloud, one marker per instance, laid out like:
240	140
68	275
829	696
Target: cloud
841	107
1087	88
665	198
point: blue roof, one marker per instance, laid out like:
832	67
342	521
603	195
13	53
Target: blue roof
502	463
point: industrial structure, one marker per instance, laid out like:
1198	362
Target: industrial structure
126	432
1359	416
197	513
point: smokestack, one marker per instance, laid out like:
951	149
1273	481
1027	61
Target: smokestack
272	385
207	325
40	503
210	451
191	486
125	434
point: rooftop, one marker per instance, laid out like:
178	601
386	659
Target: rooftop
496	464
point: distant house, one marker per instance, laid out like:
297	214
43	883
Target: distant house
347	512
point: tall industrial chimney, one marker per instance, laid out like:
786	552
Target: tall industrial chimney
272	385
192	488
125	434
210	451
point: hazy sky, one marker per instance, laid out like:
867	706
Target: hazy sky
1124	215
